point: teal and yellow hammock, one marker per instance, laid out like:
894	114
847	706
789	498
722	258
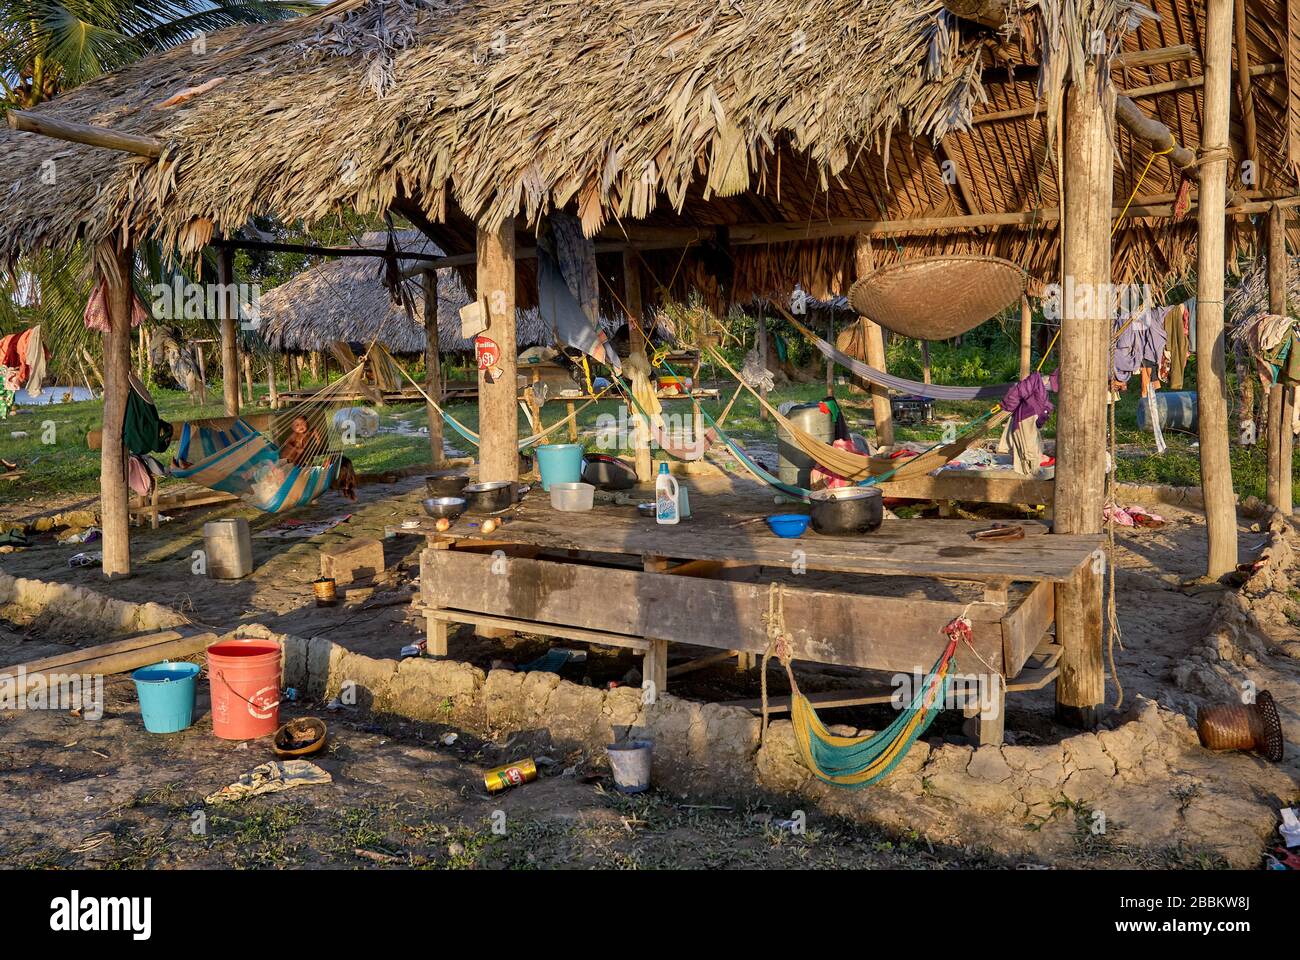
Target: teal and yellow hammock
241	461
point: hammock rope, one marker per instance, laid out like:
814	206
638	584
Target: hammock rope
856	762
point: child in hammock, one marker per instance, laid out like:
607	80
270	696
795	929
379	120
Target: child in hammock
303	442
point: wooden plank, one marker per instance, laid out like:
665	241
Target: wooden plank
976	486
1024	627
884	633
98	650
119	662
941	548
533	628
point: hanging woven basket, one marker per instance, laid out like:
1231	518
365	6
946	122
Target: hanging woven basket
938	297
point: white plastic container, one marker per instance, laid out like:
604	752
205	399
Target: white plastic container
572	497
229	547
667	505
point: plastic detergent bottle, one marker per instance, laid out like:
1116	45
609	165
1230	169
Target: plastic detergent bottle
666	494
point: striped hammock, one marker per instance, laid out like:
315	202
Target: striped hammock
239	460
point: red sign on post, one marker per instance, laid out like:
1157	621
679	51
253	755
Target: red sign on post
487	352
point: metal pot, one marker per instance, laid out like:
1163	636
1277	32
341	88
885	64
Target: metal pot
449	507
491	497
446	485
845	511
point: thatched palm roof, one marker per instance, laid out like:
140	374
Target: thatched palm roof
346	299
681	112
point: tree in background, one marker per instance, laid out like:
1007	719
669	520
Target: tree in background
47	47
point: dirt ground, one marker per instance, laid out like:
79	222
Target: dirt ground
107	794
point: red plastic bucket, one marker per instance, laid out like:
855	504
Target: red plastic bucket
244	676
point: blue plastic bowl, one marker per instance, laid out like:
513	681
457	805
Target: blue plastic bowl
788	524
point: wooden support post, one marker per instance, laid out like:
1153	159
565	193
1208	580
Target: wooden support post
1081	420
497	391
246	359
432	362
636	338
1280	437
925	361
272	388
864	264
1211	384
229	326
654	666
1026	337
113	493
762	356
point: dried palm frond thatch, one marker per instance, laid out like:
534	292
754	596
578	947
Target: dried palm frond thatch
676	112
346	300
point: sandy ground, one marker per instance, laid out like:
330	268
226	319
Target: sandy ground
107	794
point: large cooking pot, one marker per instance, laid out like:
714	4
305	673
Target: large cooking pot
490	497
844	511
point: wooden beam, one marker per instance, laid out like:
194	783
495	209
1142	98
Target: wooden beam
274	246
432	363
1280	396
1244	94
229	315
1211	384
1134	93
881	412
1155	56
498	422
25	121
1081	419
114	496
1156	135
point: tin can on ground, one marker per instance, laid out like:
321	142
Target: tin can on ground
511	775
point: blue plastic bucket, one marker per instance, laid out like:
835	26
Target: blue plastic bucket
166	691
559	463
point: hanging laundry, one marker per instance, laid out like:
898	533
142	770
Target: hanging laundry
96	315
1177	346
9	385
1139	341
143	431
24	356
1030	407
567	292
138	476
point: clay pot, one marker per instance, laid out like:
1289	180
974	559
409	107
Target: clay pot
1243	726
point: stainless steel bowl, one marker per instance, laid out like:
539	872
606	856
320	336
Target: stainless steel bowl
490	497
449	507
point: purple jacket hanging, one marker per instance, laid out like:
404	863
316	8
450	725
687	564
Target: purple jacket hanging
1028	398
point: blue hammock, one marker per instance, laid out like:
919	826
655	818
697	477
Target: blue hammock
241	461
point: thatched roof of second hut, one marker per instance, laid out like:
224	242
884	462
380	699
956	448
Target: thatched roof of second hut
345	299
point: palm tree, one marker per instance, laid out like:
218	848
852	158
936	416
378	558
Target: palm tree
49	46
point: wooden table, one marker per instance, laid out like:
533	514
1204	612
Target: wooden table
612	577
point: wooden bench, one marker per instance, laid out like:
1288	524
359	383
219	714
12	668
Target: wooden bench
612	577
